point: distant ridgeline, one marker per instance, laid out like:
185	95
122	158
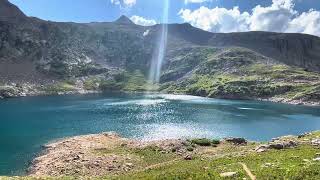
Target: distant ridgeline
118	55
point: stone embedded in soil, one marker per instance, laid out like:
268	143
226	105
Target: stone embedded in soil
228	174
188	157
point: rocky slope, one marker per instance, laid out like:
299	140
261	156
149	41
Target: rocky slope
54	57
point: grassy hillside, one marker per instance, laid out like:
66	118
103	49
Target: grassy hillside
238	73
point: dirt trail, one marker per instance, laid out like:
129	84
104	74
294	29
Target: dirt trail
249	173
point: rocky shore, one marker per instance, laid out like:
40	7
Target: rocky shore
110	155
292	102
96	155
23	90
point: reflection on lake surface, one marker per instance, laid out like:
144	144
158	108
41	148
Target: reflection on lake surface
27	123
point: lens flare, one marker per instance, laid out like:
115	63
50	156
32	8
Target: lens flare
158	57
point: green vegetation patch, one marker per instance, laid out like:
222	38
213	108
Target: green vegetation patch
205	142
65	86
285	164
142	157
126	81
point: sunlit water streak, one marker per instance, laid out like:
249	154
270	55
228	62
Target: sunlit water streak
158	57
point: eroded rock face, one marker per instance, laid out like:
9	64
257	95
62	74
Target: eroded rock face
18	90
74	49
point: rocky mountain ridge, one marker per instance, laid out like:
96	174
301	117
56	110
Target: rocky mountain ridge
38	52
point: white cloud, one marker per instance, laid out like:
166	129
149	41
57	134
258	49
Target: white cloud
217	19
307	22
278	17
124	3
143	21
195	1
272	18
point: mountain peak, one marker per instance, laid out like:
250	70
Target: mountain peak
9	12
123	20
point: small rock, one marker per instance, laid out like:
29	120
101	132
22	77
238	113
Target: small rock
129	164
304	135
228	174
268	164
262	148
188	157
315	142
123	144
110	168
316	159
276	146
76	157
111	134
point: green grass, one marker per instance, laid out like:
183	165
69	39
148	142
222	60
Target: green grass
205	142
142	157
256	80
286	164
127	81
65	86
92	83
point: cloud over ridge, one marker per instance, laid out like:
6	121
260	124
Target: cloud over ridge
280	16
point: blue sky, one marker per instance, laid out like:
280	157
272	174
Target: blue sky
215	12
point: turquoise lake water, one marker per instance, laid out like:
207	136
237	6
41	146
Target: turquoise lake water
27	123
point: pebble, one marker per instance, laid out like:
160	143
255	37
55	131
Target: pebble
188	157
228	174
306	160
315	142
129	164
316	159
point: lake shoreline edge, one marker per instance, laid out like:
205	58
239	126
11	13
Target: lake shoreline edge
87	92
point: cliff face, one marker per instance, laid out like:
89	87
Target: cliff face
293	49
35	50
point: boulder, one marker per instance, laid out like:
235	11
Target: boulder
262	148
236	141
315	142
